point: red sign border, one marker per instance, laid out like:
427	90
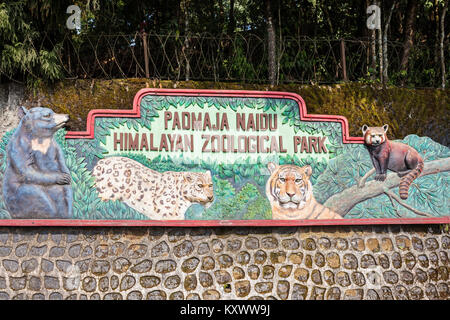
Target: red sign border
135	113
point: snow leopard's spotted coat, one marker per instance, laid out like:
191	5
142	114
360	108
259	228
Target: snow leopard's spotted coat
159	196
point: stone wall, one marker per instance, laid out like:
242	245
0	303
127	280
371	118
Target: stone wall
381	262
12	95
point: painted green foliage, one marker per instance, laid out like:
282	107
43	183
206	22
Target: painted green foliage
87	204
3	143
427	193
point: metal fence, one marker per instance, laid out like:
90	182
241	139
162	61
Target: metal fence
238	58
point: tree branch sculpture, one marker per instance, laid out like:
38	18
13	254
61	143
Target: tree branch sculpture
344	201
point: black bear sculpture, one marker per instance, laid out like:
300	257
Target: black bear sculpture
37	183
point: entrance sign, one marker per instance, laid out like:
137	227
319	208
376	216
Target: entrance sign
214	158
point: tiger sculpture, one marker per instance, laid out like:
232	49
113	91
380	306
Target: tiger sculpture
290	193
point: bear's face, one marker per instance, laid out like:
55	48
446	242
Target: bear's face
43	122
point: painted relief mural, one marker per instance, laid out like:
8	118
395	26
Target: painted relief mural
190	157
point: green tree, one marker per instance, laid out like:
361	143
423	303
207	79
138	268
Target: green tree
30	39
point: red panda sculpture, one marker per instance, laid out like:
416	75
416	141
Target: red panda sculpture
395	156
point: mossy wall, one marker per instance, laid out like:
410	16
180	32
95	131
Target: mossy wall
424	112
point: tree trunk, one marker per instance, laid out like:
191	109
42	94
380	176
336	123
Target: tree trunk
343	61
373	50
280	43
185	10
228	47
435	19
271	44
380	54
385	56
441	44
221	15
380	46
231	20
410	18
327	15
144	39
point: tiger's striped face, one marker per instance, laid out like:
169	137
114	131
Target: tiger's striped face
374	136
289	185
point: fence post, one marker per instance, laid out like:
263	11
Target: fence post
343	62
144	38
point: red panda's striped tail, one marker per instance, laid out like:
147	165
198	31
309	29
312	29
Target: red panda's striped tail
406	181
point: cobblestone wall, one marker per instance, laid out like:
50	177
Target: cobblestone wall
409	262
